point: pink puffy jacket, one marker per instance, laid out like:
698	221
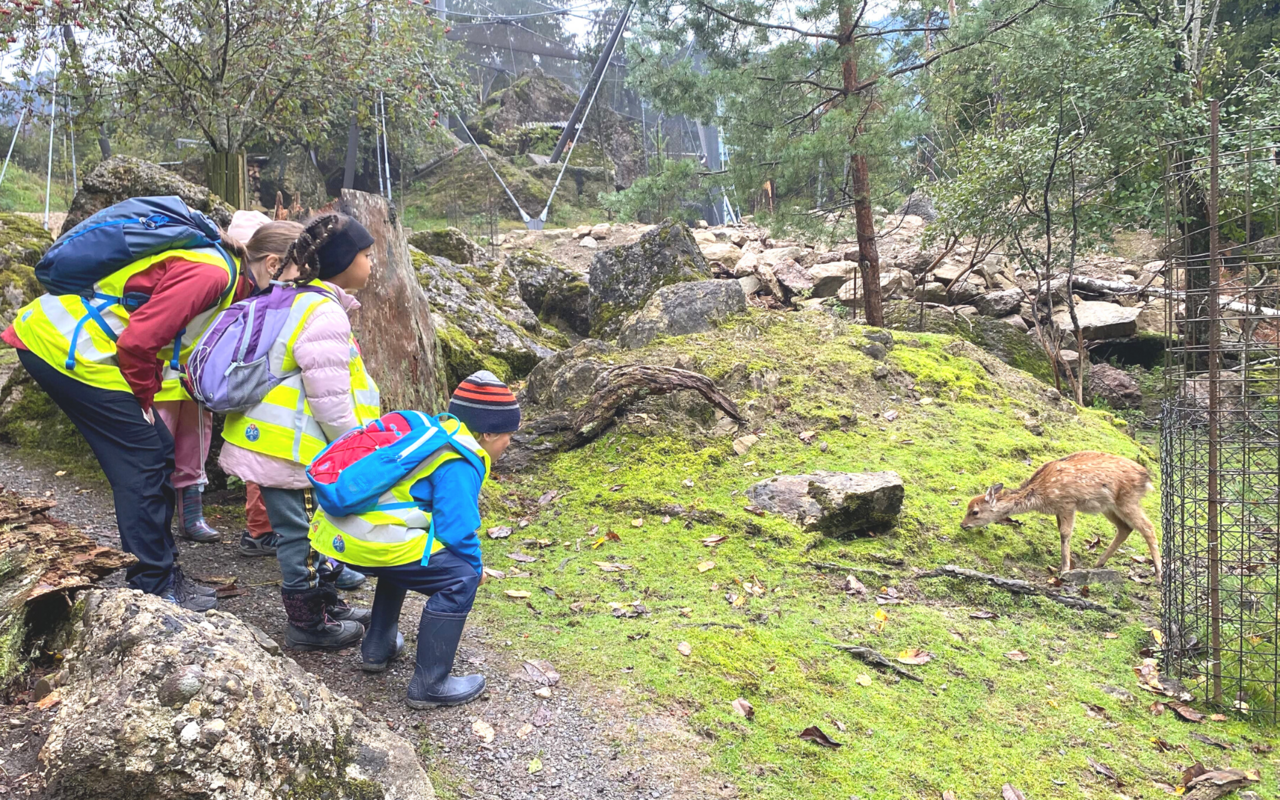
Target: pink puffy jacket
323	352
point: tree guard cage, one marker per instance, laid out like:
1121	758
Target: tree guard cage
1220	422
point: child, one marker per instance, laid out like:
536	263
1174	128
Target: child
272	443
447	490
123	365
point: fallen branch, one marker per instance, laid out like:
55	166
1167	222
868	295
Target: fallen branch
827	566
1119	288
1219	783
876	659
1017	587
631	382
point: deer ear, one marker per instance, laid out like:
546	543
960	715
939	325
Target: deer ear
993	492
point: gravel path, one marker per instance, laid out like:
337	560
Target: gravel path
578	743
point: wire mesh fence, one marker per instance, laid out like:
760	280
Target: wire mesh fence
1220	453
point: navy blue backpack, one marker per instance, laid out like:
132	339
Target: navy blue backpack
116	237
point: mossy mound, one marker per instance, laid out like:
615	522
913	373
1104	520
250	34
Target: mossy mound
714	602
1010	345
23	240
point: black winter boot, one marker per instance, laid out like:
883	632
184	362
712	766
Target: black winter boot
383	640
337	608
432	685
310	628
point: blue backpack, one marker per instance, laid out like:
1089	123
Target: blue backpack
116	237
360	466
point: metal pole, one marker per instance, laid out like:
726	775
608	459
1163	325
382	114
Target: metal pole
589	90
1215	344
386	157
377	149
53	118
75	177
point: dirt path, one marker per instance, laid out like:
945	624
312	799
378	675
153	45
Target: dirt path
588	744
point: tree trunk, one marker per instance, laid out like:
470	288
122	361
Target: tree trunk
393	326
85	88
353	147
868	254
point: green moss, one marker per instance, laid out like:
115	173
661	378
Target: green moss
326	773
463	356
13	633
32	421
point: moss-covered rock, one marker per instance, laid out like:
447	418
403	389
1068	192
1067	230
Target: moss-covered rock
449	243
23	241
559	296
121	177
623	278
480	319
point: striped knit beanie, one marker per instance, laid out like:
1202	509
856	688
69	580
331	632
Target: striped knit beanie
485	404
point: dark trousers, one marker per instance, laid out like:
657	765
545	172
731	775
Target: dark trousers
449	582
137	457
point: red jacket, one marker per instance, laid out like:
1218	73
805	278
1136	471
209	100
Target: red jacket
179	291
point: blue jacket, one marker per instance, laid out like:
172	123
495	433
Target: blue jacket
451	494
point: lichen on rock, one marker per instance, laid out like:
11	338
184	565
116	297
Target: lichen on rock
623	278
122	177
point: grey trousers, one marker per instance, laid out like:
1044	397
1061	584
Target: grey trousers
287	510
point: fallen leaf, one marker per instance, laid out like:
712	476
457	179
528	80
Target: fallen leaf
524	731
1161	744
808	436
617	487
544	692
1016	655
541	717
706	565
948	795
1102	769
1200	737
1098	712
840	726
59	473
666	520
687	483
854	586
535	765
1156	636
496	574
1007	792
684	649
517	594
540	671
49	700
577	607
606	566
550	592
914	656
1185	711
814	734
1109	635
1217	717
743	708
1192	772
712	541
863	680
984	614
759	512
501	532
547	498
523	558
1157	708
482	730
637	523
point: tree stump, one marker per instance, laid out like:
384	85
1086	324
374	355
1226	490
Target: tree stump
393	325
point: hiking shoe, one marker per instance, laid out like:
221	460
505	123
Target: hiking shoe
310	628
181	592
342	611
264	545
192	586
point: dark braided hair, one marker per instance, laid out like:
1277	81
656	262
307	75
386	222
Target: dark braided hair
305	250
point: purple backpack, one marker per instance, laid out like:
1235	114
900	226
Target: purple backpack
231	367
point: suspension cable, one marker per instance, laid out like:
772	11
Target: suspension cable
22	115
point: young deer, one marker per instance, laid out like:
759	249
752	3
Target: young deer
1086	482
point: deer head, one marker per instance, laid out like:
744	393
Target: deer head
984	509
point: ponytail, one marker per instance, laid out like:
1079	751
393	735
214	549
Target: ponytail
305	250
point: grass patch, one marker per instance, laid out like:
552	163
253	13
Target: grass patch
761	620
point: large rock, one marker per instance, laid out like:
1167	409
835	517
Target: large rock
896	282
121	177
158	702
480	319
449	243
841	504
23	241
829	277
1011	345
623	278
726	254
918	204
683	308
559	296
565	379
999	304
1100	320
1113	386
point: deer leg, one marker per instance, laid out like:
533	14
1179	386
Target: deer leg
1135	516
1122	532
1066	522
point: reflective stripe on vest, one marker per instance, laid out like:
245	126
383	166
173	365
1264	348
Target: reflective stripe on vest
397	531
77	335
282	425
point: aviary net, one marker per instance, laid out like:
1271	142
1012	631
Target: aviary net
1220	454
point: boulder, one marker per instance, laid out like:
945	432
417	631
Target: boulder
1017	322
158	702
918	204
791	279
623	278
960	293
949	271
481	320
601	232
746	264
449	243
682	309
1113	386
121	177
23	241
777	255
567	376
1153	317
750	284
1100	320
999	304
828	277
703	236
899	282
726	254
558	296
840	504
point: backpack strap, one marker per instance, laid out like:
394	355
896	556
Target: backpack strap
93	313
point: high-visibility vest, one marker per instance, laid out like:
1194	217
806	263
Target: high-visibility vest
282	425
397	530
76	334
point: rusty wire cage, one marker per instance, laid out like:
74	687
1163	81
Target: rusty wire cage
1220	422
